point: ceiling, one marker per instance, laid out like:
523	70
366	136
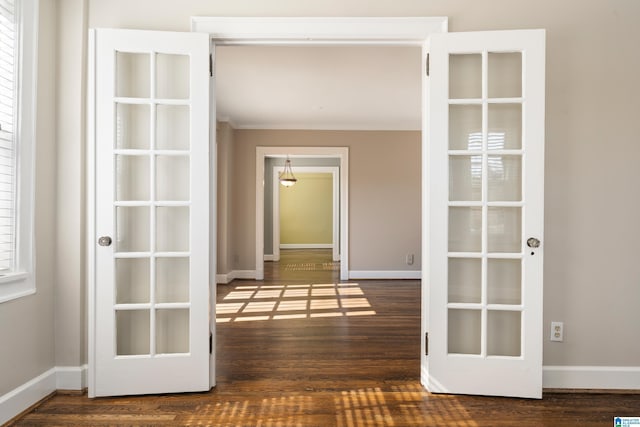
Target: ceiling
319	87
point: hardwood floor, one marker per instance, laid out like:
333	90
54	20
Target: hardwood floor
303	349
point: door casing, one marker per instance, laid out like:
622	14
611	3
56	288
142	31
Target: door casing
340	31
341	153
335	232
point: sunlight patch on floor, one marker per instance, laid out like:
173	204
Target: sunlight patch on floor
280	302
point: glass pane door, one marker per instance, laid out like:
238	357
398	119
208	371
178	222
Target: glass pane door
484	172
151	156
152	151
485	204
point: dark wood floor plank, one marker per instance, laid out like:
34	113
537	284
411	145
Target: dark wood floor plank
325	365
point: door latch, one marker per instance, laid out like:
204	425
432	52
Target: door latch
104	241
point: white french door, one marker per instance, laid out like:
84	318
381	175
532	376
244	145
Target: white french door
484	154
149	330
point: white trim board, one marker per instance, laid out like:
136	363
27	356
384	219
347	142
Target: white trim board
71	377
306	246
223	279
394	31
591	377
28	394
21	398
385	275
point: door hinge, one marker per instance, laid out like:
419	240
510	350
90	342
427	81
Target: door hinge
427	64
210	343
426	344
210	65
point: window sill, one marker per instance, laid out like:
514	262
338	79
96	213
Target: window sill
13	277
15	285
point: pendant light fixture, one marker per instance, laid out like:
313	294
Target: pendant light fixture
286	177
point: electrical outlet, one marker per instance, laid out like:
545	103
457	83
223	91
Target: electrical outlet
409	259
557	331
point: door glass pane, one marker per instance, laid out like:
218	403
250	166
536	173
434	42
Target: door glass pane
172	280
505	127
172	331
503	333
172	178
465	280
132	126
504	225
172	229
173	76
132	280
505	75
465	182
172	127
504	281
132	332
464	331
132	229
132	178
133	73
465	127
465	229
505	178
465	76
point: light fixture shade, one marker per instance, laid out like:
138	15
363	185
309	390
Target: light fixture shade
286	177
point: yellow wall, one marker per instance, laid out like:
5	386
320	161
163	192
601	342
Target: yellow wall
306	210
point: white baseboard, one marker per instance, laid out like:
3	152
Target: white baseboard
29	393
71	377
306	246
223	279
385	275
269	257
591	377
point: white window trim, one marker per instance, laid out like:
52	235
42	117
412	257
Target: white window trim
21	281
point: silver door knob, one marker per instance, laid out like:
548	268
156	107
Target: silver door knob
104	241
532	242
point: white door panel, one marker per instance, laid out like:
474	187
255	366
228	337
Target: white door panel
484	153
151	306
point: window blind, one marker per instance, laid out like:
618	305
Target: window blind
8	134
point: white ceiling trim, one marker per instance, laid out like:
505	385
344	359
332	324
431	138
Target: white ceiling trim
325	30
297	126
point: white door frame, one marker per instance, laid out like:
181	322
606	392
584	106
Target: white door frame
335	236
342	31
341	153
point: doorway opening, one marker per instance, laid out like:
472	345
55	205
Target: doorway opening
306	216
341	157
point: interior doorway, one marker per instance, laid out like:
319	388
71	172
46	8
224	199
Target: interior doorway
307	219
341	154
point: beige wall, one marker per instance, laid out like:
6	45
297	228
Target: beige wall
306	210
384	211
592	277
27	326
592	273
70	253
225	136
